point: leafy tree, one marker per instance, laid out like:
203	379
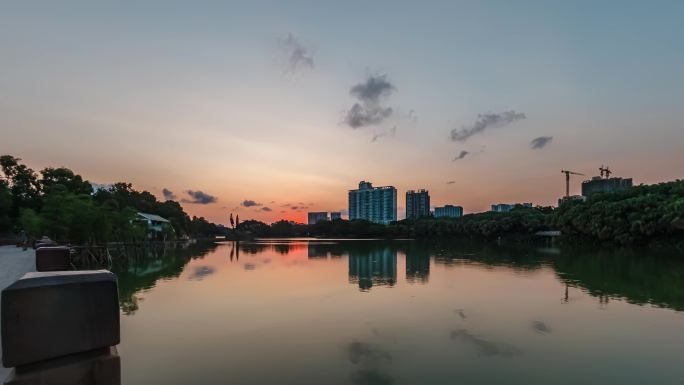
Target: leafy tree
30	222
23	184
5	206
64	177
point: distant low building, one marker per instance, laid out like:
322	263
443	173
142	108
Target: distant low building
571	198
448	211
506	207
599	184
315	217
335	215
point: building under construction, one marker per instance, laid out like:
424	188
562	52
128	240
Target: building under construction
605	183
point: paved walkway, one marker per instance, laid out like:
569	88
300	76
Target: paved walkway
14	262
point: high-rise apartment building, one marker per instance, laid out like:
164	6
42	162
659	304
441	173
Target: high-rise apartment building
375	204
417	204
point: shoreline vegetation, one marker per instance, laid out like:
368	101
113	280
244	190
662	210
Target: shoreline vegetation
62	205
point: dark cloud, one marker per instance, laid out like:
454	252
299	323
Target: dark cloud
168	194
461	155
374	88
485	121
201	272
298	57
361	115
368	110
199	197
540	142
390	132
250	203
266	208
485	347
451	182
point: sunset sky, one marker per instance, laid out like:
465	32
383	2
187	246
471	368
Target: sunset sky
293	103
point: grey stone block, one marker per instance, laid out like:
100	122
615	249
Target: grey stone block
51	314
53	258
95	367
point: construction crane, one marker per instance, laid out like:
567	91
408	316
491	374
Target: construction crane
605	170
567	181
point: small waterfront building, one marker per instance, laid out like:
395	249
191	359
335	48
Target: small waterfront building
506	207
375	204
417	204
448	211
155	224
315	217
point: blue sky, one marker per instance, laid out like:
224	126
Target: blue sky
198	96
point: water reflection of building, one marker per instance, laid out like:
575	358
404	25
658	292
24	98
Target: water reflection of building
318	251
375	267
417	267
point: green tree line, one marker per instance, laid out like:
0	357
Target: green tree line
62	205
641	215
638	215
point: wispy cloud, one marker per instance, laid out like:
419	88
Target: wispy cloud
540	142
368	110
461	155
485	121
250	203
297	56
266	208
168	194
379	135
451	182
199	197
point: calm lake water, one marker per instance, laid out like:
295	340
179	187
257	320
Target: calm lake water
401	312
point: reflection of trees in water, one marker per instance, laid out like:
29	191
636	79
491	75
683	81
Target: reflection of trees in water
373	266
637	276
147	265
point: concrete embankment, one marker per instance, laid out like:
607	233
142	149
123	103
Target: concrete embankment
14	263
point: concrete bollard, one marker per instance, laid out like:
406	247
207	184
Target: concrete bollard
52	314
95	367
54	258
